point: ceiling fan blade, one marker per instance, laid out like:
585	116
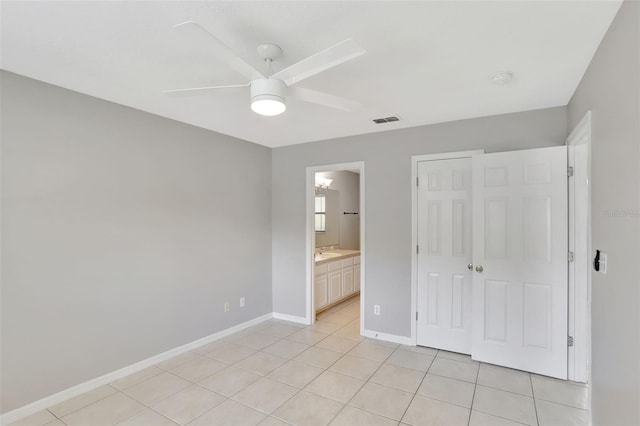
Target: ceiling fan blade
324	99
198	91
321	61
223	51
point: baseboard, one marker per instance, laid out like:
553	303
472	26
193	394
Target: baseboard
403	340
41	404
292	318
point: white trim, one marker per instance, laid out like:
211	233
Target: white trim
580	295
311	235
41	404
414	226
403	340
291	318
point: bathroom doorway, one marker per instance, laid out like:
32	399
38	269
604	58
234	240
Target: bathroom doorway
335	255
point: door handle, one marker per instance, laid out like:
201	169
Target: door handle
470	266
479	268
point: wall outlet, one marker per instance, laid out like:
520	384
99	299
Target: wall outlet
227	307
242	302
376	309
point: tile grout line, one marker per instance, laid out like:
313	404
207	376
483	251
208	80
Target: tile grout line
473	398
298	390
287	359
535	403
323	371
363	385
84	406
404	413
327	369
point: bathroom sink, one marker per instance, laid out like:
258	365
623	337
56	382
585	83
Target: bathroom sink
330	255
327	256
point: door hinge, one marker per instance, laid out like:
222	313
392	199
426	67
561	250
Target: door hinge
569	341
570	171
417	181
417	249
571	256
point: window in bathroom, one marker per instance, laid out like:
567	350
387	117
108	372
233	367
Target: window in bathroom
320	213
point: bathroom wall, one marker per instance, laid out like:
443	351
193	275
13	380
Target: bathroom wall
123	234
347	184
387	158
611	90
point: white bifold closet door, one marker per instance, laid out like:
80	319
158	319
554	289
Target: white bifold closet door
444	238
503	215
520	260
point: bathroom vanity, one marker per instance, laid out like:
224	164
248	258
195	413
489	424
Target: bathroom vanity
336	278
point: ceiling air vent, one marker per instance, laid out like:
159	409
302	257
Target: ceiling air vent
385	120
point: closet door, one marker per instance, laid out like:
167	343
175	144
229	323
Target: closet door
520	260
444	239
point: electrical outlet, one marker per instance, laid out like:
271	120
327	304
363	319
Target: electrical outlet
227	307
242	302
376	309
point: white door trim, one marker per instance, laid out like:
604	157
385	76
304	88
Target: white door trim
580	295
311	235
414	225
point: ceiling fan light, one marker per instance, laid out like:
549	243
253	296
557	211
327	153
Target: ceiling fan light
268	105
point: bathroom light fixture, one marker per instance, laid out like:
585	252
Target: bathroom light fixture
323	183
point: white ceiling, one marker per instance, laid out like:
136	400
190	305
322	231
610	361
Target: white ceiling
426	62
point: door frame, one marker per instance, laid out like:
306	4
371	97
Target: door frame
414	225
580	295
311	234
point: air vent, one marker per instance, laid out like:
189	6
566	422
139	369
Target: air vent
385	120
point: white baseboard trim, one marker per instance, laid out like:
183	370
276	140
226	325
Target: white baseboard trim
41	404
292	318
403	340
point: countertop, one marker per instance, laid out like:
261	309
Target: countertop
331	255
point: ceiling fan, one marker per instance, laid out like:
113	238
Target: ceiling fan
269	93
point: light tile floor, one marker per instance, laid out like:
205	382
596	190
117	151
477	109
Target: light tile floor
279	373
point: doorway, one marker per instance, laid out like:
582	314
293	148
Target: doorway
579	161
336	262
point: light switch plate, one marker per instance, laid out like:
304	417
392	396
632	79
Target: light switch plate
603	263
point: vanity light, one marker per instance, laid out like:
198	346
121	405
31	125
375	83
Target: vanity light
323	183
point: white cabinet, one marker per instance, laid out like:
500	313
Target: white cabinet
356	273
321	290
335	286
335	281
347	276
347	280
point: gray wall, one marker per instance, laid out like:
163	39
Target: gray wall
611	90
387	158
123	233
348	186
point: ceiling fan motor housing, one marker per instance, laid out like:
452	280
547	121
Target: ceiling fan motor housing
268	88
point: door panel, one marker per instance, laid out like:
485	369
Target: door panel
520	240
321	294
347	281
335	286
444	237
